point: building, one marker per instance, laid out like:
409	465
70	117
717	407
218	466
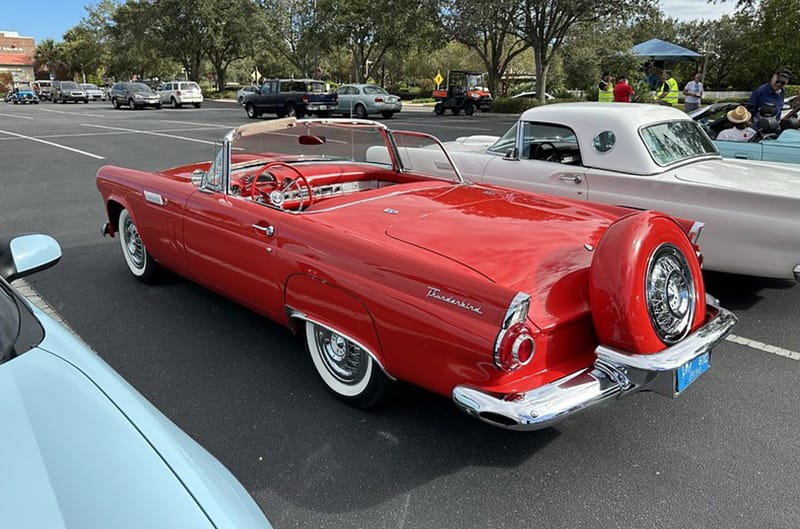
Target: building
16	57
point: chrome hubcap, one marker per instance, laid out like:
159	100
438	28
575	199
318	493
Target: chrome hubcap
343	359
133	244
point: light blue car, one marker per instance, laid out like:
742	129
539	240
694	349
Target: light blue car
775	142
80	448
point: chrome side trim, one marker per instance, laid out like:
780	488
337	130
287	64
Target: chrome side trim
796	272
614	374
293	313
155	198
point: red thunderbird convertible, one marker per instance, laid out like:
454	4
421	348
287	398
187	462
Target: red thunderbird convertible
368	243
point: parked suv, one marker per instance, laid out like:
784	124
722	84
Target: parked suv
176	93
65	91
44	89
134	95
94	92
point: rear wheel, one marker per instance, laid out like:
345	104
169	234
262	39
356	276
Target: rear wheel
139	262
290	111
174	103
251	111
347	370
438	109
360	112
115	103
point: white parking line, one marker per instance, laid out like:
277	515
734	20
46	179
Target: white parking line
780	351
73	113
149	133
15	116
196	123
96	156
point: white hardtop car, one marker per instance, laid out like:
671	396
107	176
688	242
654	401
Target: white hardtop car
650	157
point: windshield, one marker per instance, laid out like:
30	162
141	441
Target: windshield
507	142
138	87
69	85
675	141
331	141
90	86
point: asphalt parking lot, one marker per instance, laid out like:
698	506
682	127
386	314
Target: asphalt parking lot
724	454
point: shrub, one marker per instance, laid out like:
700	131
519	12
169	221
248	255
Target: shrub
507	105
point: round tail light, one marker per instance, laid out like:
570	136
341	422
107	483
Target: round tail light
516	348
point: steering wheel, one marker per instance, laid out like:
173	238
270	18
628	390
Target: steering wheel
278	196
548	154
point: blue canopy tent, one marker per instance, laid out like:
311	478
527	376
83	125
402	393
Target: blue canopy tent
659	50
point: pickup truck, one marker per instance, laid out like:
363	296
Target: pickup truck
290	97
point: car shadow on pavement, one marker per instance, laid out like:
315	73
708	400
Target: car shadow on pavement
739	292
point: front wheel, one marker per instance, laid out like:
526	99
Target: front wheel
115	103
438	109
469	108
347	370
139	262
251	111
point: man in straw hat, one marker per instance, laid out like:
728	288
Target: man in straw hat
739	117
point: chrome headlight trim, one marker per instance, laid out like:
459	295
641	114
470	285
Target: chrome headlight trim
669	293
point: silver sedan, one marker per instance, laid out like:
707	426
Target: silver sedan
359	100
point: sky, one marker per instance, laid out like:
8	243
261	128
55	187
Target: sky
52	18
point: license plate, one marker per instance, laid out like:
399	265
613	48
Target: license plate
691	371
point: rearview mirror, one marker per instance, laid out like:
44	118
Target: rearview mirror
308	139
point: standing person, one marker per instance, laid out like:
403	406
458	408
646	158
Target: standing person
693	92
770	93
605	89
669	90
739	117
623	92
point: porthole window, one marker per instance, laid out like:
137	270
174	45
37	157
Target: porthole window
604	141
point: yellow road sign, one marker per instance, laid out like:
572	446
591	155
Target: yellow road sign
438	79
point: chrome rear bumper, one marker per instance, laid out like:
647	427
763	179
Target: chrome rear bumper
796	271
614	374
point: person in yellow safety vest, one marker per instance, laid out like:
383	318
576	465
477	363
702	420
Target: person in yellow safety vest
669	90
605	90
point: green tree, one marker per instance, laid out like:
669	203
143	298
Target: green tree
545	24
51	55
84	53
183	30
295	32
233	26
370	29
135	47
488	29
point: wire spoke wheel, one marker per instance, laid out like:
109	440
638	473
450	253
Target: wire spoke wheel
345	367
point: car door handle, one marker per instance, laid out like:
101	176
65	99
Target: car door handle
575	178
269	231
